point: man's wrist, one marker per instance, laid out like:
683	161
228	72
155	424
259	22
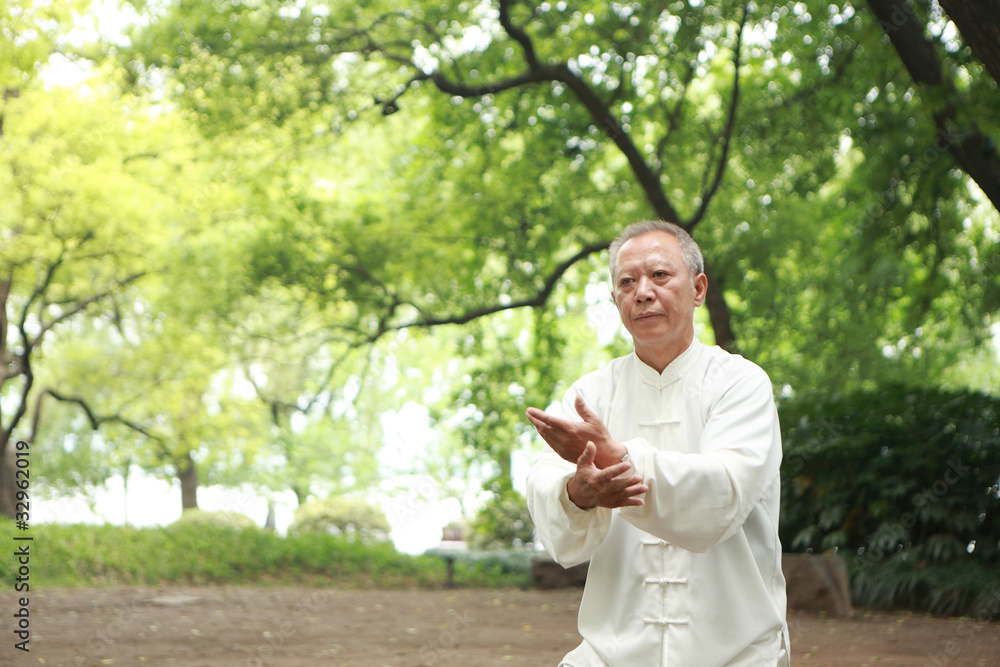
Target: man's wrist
570	494
613	454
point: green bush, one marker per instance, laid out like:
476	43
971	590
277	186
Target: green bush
504	522
903	481
219	519
510	567
343	517
968	589
193	554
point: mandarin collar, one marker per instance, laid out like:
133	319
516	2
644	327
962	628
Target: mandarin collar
674	370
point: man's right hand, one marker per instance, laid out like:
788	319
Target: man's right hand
567	437
611	487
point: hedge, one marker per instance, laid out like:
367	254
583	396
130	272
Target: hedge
904	483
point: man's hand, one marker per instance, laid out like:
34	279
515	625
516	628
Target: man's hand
612	487
569	438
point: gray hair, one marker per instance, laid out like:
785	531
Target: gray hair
689	249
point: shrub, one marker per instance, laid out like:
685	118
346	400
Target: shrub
219	519
192	554
503	523
966	589
900	480
340	516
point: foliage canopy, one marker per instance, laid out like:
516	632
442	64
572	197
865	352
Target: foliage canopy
259	227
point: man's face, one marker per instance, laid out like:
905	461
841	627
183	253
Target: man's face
655	294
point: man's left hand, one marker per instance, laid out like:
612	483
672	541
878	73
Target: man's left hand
611	487
569	438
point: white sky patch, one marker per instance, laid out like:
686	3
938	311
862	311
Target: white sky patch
151	501
108	20
601	312
424	59
407	434
63	72
104	21
418	512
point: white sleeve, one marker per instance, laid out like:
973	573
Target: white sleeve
697	500
569	534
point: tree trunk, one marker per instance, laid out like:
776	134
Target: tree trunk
6	452
187	473
7	488
979	23
718	313
125	476
974	151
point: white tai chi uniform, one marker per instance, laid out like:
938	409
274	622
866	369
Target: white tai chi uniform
692	578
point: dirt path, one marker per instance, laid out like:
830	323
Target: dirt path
286	627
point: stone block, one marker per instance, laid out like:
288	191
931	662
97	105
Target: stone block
549	574
817	583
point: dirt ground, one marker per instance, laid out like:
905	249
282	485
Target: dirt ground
286	627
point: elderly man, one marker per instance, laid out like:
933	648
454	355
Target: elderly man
662	470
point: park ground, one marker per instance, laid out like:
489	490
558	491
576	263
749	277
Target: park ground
286	627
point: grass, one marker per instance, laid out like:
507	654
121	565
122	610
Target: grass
88	555
192	554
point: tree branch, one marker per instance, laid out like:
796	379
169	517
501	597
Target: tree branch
539	299
518	34
673	118
446	85
29	343
970	147
86	303
39	290
95	420
599	111
727	133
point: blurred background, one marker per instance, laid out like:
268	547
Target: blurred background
306	263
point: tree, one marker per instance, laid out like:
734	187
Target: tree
323	397
577	119
444	164
106	201
77	222
600	89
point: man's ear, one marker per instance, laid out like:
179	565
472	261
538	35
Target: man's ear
700	289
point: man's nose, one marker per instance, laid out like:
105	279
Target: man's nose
644	289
